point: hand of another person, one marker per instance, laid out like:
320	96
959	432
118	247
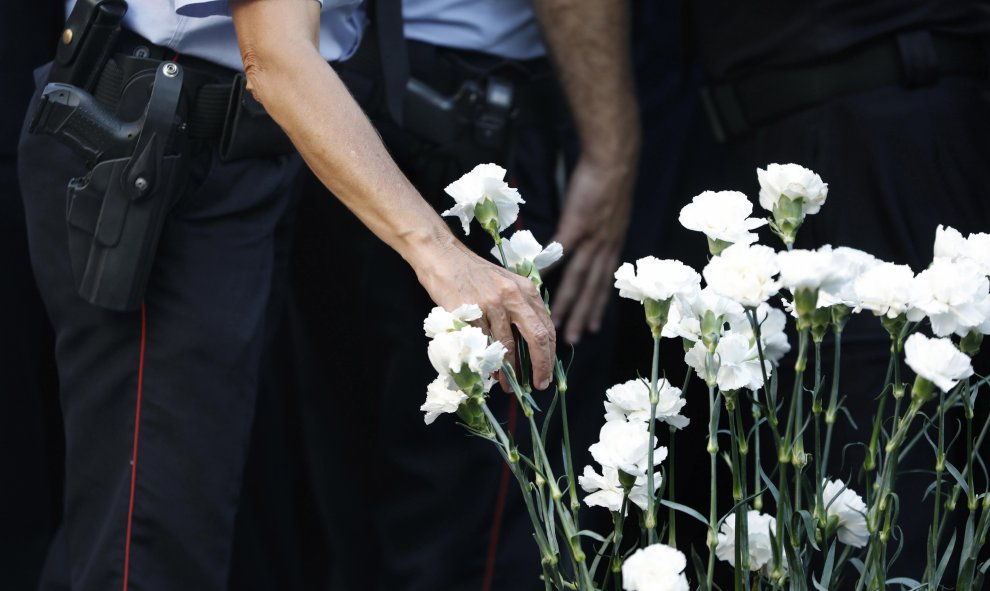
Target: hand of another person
592	231
456	276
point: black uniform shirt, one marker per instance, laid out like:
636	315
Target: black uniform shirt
738	37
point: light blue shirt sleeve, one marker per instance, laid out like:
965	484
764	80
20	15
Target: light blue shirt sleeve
203	8
204	29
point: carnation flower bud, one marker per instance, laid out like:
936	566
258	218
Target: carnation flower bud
970	344
788	215
486	212
923	390
657	313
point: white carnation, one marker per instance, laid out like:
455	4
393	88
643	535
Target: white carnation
440	399
937	360
485	181
758	530
631	401
656	279
854	263
810	269
440	320
954	295
605	489
722	215
744	274
655	568
885	289
772	323
625	446
849	512
451	352
523	253
736	363
794	182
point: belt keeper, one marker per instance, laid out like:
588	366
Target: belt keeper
919	63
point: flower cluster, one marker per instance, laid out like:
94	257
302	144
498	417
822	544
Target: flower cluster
463	357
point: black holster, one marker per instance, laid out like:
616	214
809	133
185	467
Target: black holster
116	212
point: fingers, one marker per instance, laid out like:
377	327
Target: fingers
580	318
570	284
605	291
529	316
501	330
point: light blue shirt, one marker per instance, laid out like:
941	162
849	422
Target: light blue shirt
204	29
506	28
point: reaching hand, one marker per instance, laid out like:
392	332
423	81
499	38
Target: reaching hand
457	276
592	231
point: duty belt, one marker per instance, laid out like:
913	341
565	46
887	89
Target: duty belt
216	108
913	59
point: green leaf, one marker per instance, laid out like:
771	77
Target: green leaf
593	535
685	510
827	568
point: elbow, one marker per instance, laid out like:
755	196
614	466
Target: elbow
256	68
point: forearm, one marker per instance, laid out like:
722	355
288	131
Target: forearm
304	95
589	44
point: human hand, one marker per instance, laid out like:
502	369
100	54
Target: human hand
454	276
592	231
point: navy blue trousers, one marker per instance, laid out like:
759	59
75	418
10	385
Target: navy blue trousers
159	402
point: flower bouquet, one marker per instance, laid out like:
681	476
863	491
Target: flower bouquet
797	520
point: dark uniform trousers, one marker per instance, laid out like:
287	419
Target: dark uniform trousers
158	403
424	507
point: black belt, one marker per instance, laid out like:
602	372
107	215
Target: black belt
215	105
914	59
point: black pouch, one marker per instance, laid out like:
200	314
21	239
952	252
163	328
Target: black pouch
248	130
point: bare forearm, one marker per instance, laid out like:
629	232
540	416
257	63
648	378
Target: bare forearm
589	44
307	99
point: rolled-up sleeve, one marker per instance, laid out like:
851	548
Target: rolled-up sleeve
204	8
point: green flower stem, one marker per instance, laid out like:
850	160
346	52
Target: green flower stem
933	538
879	515
757	481
816	409
738	494
797	413
713	489
650	522
617	520
549	558
671	522
561	377
783	454
833	401
769	395
671	464
566	519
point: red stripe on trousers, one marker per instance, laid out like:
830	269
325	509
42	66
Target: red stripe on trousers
134	456
503	490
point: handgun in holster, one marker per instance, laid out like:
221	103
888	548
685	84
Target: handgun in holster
480	112
116	212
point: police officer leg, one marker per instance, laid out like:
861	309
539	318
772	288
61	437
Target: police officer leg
158	402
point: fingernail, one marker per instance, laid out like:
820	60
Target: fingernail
544	384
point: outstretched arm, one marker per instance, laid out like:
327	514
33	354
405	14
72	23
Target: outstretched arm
279	44
589	45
